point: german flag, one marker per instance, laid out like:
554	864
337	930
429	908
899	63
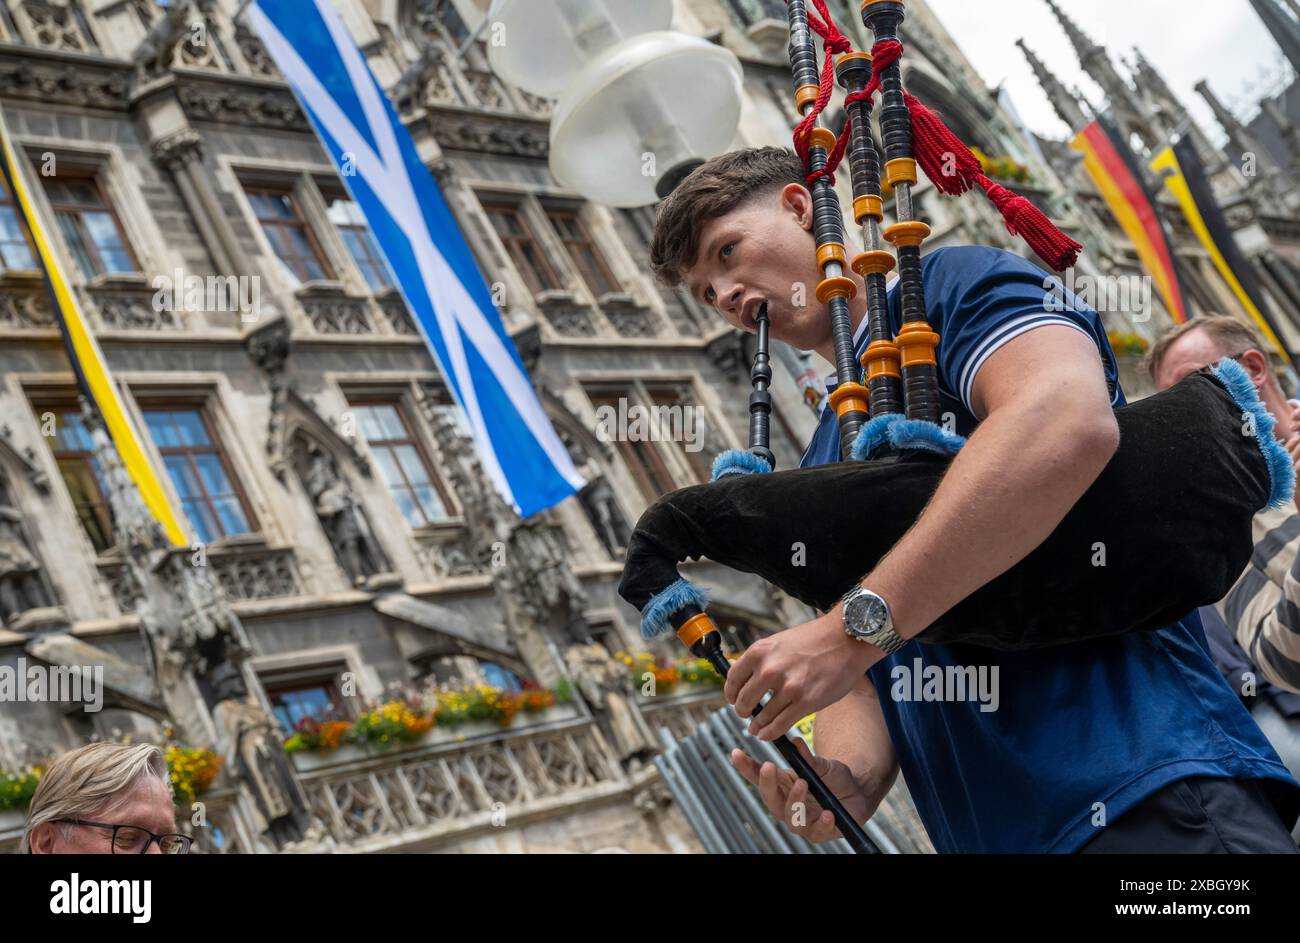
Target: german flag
1184	177
88	363
1119	179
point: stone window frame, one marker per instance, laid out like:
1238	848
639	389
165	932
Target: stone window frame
308	187
402	390
114	175
700	462
531	209
213	393
397	400
592	242
671	455
322	661
7	201
56	400
328	189
561	274
77	211
305	185
532	204
214	446
296	220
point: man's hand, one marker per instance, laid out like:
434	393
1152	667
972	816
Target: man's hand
806	668
787	799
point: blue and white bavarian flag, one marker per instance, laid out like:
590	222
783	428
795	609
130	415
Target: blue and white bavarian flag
425	251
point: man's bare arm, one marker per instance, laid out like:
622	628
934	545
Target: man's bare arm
853	731
1048	433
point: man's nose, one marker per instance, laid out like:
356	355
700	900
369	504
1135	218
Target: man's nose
733	299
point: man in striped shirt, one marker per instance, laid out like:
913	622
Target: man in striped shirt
1255	629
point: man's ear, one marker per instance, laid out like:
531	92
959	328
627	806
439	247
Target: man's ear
1256	364
796	198
41	839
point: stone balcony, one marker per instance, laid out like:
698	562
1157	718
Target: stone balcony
451	791
244	572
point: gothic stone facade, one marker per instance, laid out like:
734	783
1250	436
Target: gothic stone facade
309	438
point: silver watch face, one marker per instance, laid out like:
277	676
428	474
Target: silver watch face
865	614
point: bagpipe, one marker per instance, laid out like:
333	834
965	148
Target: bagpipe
1165	528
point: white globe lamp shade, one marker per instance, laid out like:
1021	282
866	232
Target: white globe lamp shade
543	44
642	114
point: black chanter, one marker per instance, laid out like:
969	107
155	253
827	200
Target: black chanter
1164	529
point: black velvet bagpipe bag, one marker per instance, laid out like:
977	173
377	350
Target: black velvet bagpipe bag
1164	529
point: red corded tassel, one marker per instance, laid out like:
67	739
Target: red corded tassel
833	43
954	169
944	157
1027	221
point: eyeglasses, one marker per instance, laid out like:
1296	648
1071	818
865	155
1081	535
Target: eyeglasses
134	840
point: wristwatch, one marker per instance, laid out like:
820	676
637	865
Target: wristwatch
867	618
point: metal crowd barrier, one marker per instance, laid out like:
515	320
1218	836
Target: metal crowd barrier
727	813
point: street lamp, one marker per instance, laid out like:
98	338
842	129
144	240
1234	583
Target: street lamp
639	106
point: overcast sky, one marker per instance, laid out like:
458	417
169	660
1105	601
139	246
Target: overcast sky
1182	40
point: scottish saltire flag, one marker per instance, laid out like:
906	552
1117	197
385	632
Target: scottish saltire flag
94	379
429	259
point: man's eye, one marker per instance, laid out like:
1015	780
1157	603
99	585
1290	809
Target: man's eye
708	295
726	250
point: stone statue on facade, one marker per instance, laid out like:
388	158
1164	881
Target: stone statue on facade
341	515
249	739
597	497
607	687
602	510
153	56
21	585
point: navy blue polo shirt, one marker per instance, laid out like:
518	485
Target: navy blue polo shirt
1080	733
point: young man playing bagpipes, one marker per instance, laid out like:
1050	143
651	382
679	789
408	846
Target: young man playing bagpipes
1124	743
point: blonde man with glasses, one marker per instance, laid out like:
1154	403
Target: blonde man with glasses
101	799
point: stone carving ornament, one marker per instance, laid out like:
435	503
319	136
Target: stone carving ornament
249	739
607	688
21	585
340	515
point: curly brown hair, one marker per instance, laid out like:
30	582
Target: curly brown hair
714	189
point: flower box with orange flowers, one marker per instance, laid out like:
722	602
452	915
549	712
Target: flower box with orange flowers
686	675
439	717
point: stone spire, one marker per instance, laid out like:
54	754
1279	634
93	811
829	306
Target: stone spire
1290	133
1130	111
1266	181
1240	139
1170	108
1284	28
1064	103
